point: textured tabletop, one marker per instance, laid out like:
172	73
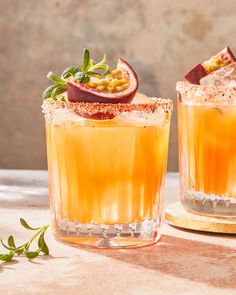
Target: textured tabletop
183	262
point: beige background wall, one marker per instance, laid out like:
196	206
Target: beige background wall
160	38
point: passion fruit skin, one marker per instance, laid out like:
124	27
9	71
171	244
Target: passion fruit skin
227	56
220	60
79	92
195	75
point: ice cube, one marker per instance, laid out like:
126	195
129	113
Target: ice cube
225	76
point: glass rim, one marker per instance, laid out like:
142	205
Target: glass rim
227	93
112	108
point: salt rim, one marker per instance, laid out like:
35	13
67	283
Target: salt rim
207	91
114	109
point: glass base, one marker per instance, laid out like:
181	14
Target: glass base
209	204
108	236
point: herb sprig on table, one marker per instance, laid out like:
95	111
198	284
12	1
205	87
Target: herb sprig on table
82	74
25	248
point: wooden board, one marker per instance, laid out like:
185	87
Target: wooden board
176	215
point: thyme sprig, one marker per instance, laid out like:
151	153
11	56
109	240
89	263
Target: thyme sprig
82	74
25	248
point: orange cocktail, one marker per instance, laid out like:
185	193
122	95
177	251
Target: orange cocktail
108	173
207	143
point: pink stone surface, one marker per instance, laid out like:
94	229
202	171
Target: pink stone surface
183	262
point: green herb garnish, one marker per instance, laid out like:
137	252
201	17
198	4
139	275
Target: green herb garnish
82	74
24	249
57	88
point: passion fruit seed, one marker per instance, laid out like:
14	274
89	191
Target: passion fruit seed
111	89
113	83
214	64
103	82
125	86
92	84
116	74
100	88
119	88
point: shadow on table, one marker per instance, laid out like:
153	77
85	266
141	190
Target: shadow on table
7	265
205	233
192	260
42	258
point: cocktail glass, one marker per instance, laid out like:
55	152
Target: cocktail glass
107	177
207	148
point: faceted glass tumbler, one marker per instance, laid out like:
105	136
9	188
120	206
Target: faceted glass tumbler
107	177
207	148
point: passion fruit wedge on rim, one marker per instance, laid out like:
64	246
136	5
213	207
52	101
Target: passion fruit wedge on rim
221	59
120	86
94	83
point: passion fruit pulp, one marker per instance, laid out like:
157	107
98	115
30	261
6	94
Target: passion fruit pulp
220	60
119	87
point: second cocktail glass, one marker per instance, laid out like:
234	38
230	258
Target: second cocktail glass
207	148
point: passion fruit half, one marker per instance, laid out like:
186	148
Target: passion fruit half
220	60
118	87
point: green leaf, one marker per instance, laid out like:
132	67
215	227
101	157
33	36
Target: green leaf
94	74
5	246
86	60
42	244
53	77
82	77
104	59
7	257
58	90
48	92
31	255
91	63
103	67
25	225
27	245
11	242
19	250
71	71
